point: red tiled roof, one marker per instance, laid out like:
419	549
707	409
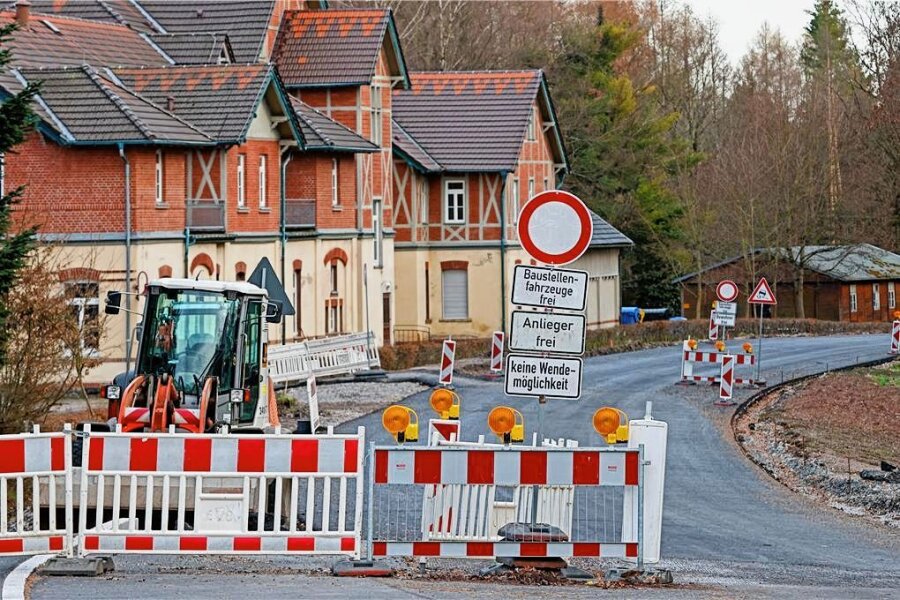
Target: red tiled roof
469	121
333	47
50	41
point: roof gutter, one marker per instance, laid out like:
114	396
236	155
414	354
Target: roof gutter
503	176
127	257
283	224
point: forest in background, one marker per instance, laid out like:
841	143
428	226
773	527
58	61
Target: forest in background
692	157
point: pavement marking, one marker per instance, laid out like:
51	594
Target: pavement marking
14	584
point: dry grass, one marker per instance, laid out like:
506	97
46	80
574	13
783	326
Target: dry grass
853	415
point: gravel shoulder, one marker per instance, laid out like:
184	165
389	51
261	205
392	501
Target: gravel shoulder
817	435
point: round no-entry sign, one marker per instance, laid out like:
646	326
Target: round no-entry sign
727	290
555	227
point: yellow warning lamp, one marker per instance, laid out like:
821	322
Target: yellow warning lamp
507	423
401	422
748	347
897	314
445	403
720	346
611	424
692	343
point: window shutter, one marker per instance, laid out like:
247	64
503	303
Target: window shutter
455	285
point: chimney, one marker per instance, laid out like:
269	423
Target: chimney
23	8
170	103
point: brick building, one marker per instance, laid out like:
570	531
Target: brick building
195	138
840	283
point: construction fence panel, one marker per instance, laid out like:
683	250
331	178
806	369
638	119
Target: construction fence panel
339	355
172	493
711	362
459	500
35	492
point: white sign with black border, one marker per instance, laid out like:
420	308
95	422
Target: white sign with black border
726	313
553	377
559	333
564	289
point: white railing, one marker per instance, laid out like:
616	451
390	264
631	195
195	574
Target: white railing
339	355
35	472
219	494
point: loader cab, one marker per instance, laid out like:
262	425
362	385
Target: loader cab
205	342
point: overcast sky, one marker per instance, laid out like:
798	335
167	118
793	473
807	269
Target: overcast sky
740	20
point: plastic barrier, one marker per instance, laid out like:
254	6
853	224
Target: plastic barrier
221	494
338	355
400	474
33	466
691	357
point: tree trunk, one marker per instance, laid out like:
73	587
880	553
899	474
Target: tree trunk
799	309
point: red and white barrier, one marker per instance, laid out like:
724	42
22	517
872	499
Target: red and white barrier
222	493
497	352
448	353
895	338
443	429
713	327
37	468
726	380
464	549
690	357
508	467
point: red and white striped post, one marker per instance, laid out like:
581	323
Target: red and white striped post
497	352
895	338
726	381
448	353
713	328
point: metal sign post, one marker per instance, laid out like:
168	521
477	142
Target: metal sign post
762	295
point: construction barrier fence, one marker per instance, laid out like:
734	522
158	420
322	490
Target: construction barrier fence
480	501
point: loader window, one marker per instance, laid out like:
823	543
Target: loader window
251	360
190	335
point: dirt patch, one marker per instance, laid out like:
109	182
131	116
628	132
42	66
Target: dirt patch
342	402
817	435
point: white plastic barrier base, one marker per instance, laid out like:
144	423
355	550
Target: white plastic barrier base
653	435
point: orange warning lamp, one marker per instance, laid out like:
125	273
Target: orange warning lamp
720	346
507	424
445	403
748	347
611	424
401	422
897	314
692	344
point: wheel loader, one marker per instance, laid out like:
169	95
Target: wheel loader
201	364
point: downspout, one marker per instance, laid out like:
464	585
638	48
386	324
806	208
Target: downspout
284	164
127	257
503	176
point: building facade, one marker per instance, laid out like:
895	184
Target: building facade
194	139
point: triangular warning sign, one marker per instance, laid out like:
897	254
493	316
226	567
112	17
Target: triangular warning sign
447	429
762	293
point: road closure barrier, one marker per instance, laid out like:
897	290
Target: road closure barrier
691	357
895	337
221	494
35	470
600	476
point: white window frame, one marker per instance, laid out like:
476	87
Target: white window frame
458	219
335	191
241	192
263	181
422	187
158	178
876	296
854	305
378	229
531	127
376	109
82	303
530	188
892	295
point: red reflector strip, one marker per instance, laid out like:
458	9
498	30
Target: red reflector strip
192	543
301	544
247	544
91	542
631	468
139	542
12	457
12	546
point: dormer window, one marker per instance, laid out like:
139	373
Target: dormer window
531	119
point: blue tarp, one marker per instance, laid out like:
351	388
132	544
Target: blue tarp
630	315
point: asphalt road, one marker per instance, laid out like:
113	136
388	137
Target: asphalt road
727	526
